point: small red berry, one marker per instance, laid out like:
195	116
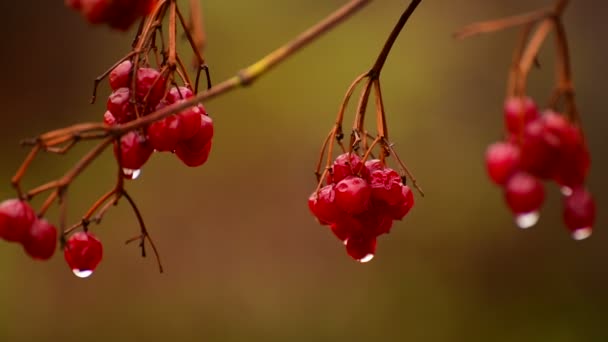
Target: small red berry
83	252
193	158
119	104
403	207
540	149
40	241
16	218
323	205
361	248
95	11
502	160
518	112
353	195
150	84
178	93
135	151
347	164
386	186
121	75
524	194
191	119
579	213
374	164
164	134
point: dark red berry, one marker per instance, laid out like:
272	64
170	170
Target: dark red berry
323	205
95	11
518	113
579	213
191	120
540	149
386	186
524	193
16	218
178	93
374	164
502	160
151	85
164	134
120	106
403	207
375	221
353	195
361	248
347	164
203	135
83	252
193	158
135	151
40	241
121	75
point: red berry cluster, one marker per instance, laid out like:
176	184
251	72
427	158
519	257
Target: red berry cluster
188	134
359	202
119	14
542	147
19	223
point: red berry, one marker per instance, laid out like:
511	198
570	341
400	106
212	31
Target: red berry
524	193
134	151
16	218
502	160
83	252
74	4
176	94
403	207
109	119
353	195
361	248
540	149
191	119
323	205
386	186
95	11
164	134
518	112
119	104
347	164
40	241
579	213
150	84
121	75
193	158
375	221
202	136
374	164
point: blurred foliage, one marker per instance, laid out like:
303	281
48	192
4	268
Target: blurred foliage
245	261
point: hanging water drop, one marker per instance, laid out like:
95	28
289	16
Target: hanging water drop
527	220
130	173
582	233
366	258
82	273
566	190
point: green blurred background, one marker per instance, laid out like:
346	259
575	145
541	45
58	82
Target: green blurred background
244	259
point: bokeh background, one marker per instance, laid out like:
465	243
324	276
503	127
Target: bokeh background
244	259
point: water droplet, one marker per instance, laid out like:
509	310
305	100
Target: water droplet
527	220
566	190
366	258
582	233
130	173
82	274
345	242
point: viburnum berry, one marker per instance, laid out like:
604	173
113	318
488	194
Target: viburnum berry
40	241
192	122
361	248
83	252
192	158
120	76
119	14
374	164
119	104
347	164
353	195
150	85
579	213
195	151
400	209
323	206
164	134
524	194
386	186
134	150
518	112
178	93
16	218
502	160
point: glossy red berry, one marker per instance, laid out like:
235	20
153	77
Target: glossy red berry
540	149
353	195
121	75
502	160
347	164
374	164
386	186
178	93
16	218
192	121
193	158
375	221
518	112
134	150
399	210
323	205
151	85
361	248
83	252
119	104
524	193
40	241
579	213
164	134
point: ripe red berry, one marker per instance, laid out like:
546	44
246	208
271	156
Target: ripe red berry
164	134
361	248
149	84
386	186
579	213
323	205
375	221
192	158
191	120
16	218
95	11
40	241
347	164
502	160
178	93
518	112
135	151
525	195
399	210
83	252
121	75
540	149
353	195
374	164
119	104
